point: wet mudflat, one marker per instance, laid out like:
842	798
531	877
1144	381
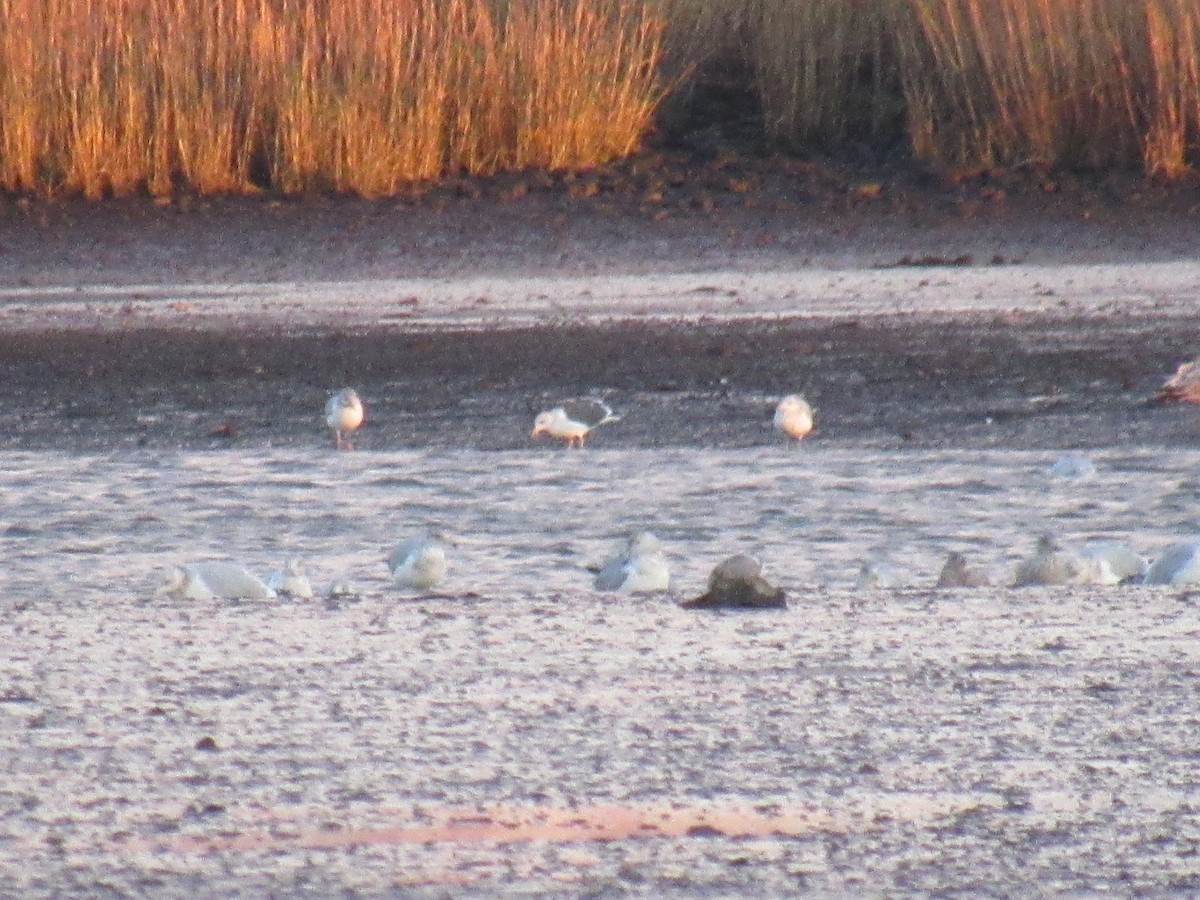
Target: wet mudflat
971	381
519	732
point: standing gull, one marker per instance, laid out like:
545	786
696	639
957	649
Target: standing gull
640	568
212	580
344	413
572	420
419	562
794	417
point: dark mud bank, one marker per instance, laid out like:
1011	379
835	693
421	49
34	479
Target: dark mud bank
1027	381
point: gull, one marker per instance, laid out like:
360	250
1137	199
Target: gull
344	413
419	562
1178	564
291	581
1052	563
876	574
737	582
956	573
1124	563
794	417
339	588
1183	385
640	568
1073	467
572	420
212	580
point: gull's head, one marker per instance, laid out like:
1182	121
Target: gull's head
344	410
347	397
176	580
442	536
644	543
545	422
1047	544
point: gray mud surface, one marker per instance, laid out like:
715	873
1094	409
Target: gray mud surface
977	381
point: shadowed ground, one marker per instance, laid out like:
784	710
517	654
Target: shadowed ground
983	381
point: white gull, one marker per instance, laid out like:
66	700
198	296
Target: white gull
419	562
344	413
1184	384
572	420
291	581
794	417
1179	564
639	568
212	580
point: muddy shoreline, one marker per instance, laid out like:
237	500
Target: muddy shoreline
924	315
1037	382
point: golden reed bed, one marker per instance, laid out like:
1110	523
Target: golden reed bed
114	97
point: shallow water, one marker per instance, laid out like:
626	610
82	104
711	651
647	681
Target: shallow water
522	732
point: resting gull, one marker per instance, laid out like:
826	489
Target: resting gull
956	573
1184	384
1051	563
572	420
1179	564
1073	467
340	588
640	568
1115	559
212	580
738	582
291	581
794	417
344	413
419	562
876	574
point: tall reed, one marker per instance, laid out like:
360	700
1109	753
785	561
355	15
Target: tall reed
115	96
1091	83
824	72
1171	99
112	97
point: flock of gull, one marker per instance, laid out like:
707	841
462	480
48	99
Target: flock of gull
419	563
